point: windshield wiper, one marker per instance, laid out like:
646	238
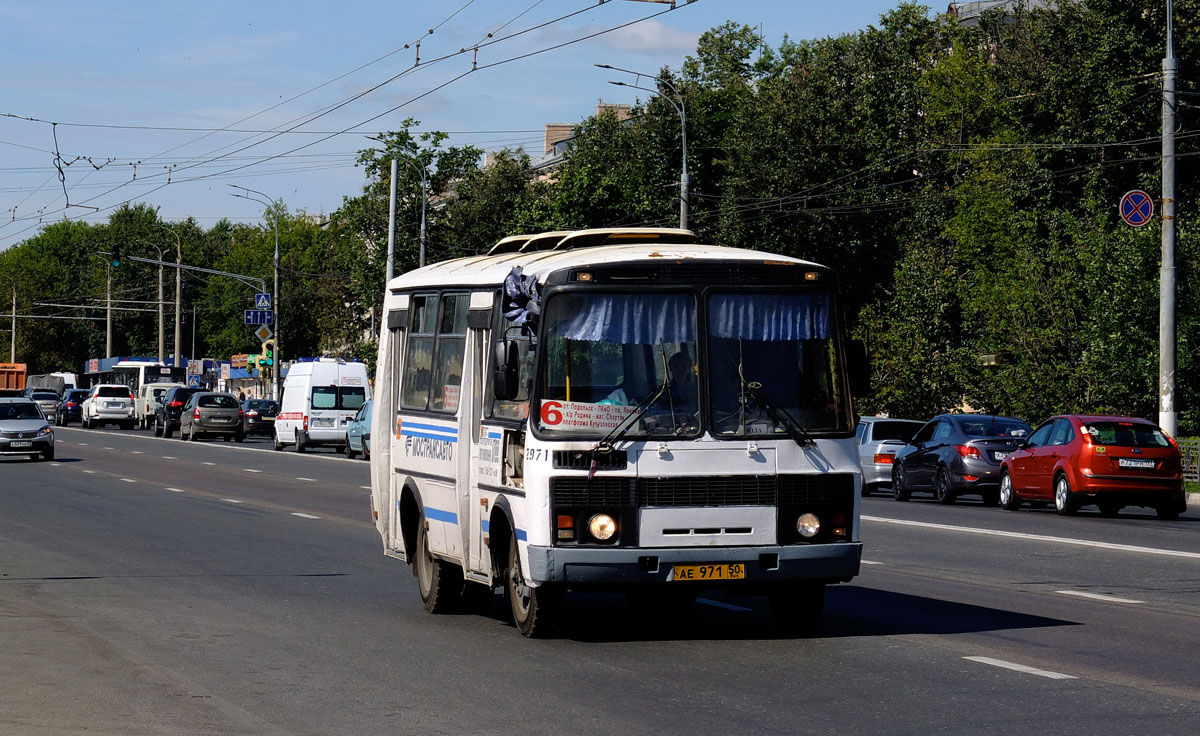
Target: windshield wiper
617	432
781	416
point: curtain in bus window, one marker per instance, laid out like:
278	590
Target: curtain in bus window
643	319
770	317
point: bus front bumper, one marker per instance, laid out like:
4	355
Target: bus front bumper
836	562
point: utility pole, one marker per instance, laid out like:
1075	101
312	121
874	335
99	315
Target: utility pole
161	335
108	313
12	351
1167	410
275	319
391	251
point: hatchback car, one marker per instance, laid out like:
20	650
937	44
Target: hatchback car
1113	462
879	439
169	409
211	413
358	433
108	403
955	455
24	430
48	402
260	416
70	408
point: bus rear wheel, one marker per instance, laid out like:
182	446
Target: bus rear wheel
439	582
535	611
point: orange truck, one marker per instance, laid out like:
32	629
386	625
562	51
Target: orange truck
12	378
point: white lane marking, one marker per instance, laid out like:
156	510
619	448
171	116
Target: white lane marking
365	488
719	604
1021	668
55	465
304	516
210	463
109	448
129	480
90	472
871	562
137	452
1038	537
232	500
168	457
83	444
251	470
176	490
310	480
1098	596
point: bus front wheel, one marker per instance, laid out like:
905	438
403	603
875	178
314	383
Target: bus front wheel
439	582
535	611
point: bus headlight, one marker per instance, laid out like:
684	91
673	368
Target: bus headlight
808	525
602	527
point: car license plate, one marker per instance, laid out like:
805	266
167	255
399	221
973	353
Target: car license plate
20	444
322	423
1136	463
726	571
112	405
999	455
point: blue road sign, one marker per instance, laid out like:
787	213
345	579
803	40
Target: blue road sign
194	381
1136	208
259	317
262	301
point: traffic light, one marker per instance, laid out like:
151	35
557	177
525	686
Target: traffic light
268	351
114	256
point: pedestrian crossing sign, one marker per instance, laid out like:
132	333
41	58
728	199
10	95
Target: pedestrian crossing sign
262	301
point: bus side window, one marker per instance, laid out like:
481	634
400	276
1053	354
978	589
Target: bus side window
448	356
418	352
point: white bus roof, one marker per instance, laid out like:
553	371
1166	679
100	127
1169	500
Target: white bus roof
578	248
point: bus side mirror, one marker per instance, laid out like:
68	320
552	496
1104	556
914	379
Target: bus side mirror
859	368
505	384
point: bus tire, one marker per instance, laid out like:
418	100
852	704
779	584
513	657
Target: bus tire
535	611
439	582
796	607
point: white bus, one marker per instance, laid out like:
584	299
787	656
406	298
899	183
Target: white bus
618	410
136	373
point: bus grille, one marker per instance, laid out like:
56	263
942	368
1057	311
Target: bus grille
825	491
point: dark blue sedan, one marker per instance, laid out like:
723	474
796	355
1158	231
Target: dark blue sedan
70	407
955	455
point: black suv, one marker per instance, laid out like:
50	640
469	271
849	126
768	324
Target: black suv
166	416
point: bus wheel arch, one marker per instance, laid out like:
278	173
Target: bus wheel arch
410	515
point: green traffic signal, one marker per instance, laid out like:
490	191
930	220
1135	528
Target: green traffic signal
115	255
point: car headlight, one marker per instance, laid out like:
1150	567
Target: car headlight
808	525
45	431
602	527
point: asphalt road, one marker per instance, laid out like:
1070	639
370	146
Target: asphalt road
152	586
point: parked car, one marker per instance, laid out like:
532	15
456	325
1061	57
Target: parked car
211	413
70	407
260	416
879	439
149	396
166	416
955	455
108	403
47	401
358	433
24	429
1109	461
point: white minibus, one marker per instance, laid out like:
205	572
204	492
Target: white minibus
320	397
618	409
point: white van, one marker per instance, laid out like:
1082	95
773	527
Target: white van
319	400
149	396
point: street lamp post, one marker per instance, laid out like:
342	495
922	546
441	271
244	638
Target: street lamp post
391	252
677	103
276	369
178	296
12	351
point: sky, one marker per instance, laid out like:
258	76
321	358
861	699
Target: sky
169	103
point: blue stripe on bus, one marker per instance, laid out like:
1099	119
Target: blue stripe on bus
438	515
430	427
487	529
521	535
428	435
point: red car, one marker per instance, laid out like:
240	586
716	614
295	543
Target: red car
1112	462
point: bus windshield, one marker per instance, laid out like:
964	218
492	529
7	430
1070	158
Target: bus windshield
773	362
609	356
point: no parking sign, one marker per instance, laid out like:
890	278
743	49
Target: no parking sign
1136	207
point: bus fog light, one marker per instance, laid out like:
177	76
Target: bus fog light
808	525
603	527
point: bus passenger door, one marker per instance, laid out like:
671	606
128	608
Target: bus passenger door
470	428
